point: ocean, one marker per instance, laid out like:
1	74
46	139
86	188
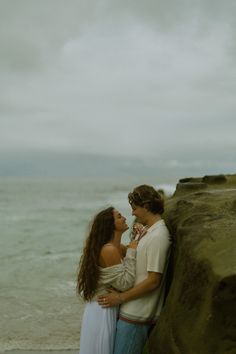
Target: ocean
43	226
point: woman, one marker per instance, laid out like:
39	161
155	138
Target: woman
104	263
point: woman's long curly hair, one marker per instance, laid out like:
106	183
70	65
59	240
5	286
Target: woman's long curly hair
101	232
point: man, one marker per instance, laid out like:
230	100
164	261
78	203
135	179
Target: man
142	304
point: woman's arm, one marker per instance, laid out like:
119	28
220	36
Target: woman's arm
118	273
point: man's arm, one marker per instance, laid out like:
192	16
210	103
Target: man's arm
115	298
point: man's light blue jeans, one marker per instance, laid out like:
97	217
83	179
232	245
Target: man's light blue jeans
130	337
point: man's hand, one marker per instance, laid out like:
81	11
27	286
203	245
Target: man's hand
109	300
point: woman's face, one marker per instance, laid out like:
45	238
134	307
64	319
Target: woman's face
119	221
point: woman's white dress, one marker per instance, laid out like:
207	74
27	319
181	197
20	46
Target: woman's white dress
99	324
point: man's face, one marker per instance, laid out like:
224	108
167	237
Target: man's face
140	213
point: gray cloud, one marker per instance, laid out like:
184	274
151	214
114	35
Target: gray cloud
149	79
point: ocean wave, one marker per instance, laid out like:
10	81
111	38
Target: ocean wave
168	189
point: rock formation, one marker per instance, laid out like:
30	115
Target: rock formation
199	316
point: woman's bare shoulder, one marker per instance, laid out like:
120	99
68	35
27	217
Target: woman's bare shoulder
109	255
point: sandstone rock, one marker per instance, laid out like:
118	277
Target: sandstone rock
199	316
186	187
214	179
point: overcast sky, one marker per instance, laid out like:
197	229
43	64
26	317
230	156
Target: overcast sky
131	78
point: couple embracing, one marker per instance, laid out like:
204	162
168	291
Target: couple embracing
124	282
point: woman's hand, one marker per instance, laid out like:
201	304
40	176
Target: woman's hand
133	244
138	231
